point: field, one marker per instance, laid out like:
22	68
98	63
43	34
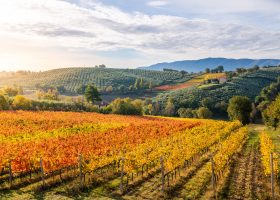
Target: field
56	155
72	78
195	81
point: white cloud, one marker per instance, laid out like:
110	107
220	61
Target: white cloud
157	3
47	25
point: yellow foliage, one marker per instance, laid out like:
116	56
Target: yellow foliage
267	147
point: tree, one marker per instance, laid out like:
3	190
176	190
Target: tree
185	113
151	85
109	89
204	113
3	103
51	94
170	108
20	102
131	87
91	94
136	84
61	89
239	108
102	66
126	106
81	89
271	115
148	109
207	70
156	108
221	107
122	89
141	84
207	102
10	91
220	68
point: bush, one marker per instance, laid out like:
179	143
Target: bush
170	108
126	107
203	113
3	103
22	103
239	109
185	113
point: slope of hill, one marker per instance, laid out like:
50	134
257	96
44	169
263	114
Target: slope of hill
71	78
195	81
248	84
200	65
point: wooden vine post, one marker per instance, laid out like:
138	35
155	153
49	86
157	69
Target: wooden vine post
162	173
272	175
81	169
213	177
122	173
42	172
10	174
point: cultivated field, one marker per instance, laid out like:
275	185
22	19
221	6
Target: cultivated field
56	155
191	83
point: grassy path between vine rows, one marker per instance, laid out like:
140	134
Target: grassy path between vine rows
246	179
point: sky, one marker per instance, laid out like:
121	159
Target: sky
46	34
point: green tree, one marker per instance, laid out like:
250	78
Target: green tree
156	109
126	106
239	108
207	102
3	103
220	68
141	84
91	94
271	115
207	70
131	87
204	113
151	85
81	89
185	113
170	108
136	84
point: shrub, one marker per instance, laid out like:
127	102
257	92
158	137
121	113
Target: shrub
185	113
126	107
204	113
22	103
3	103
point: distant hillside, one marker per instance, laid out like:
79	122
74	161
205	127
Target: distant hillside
200	65
249	84
72	78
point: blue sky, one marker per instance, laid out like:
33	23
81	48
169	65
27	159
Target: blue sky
40	35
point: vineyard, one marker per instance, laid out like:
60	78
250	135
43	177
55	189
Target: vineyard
195	81
249	84
48	152
72	78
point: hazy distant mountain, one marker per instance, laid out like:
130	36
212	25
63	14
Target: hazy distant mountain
200	65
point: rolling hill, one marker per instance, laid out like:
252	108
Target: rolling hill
200	65
249	84
72	78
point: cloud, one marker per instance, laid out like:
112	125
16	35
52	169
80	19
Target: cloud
57	24
157	3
